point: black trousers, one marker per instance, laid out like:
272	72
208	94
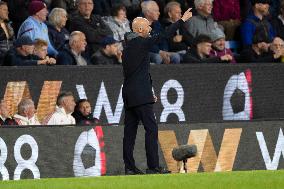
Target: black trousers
132	117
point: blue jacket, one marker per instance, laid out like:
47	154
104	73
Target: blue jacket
248	30
163	43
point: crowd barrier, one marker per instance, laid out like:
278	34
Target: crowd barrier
70	151
186	93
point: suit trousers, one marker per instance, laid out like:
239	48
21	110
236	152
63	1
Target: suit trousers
145	114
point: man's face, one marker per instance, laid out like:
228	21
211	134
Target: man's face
175	13
146	28
29	49
263	47
277	45
219	44
112	48
69	104
206	8
80	43
262	8
4	12
41	52
85	108
42	14
4	110
85	7
30	111
204	48
154	13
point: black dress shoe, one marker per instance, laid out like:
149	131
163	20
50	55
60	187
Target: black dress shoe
134	171
158	170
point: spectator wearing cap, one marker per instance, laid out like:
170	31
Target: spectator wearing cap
58	34
22	53
118	23
108	54
259	51
91	25
200	52
218	45
74	53
34	25
257	22
7	36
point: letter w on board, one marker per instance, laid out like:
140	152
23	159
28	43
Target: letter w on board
206	154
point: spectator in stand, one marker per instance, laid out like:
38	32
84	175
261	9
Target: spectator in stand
200	52
259	51
26	113
160	52
118	23
62	114
34	25
256	20
181	40
203	22
5	118
74	53
6	31
40	52
218	45
83	114
132	6
227	13
22	54
68	5
108	54
277	47
278	22
91	25
58	34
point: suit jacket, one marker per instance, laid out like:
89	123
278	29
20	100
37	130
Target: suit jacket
137	87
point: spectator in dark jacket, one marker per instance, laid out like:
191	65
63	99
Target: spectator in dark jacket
6	32
5	118
40	52
68	5
109	53
74	53
91	25
200	51
83	114
58	34
22	53
259	51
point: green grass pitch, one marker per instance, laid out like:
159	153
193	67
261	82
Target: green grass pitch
228	180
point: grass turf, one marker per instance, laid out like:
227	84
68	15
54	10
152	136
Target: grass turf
228	180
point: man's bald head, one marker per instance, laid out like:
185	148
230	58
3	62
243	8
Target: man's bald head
141	26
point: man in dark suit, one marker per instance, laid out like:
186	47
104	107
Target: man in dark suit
137	93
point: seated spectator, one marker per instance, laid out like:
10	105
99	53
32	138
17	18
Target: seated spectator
227	13
34	25
203	22
277	47
22	53
259	51
83	114
68	5
159	53
218	45
200	52
40	52
6	32
108	54
58	34
65	105
118	23
181	39
278	22
91	25
73	54
256	20
5	118
26	113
